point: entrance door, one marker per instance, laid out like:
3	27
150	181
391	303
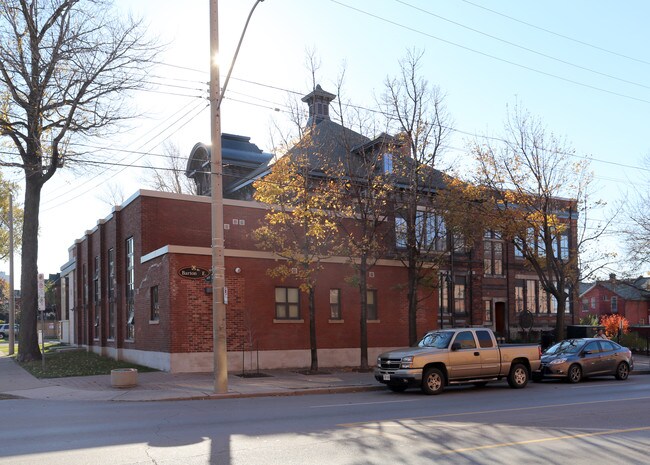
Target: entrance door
500	318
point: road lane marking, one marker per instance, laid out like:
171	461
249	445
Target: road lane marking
365	403
542	440
484	412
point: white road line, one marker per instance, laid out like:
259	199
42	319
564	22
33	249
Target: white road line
365	403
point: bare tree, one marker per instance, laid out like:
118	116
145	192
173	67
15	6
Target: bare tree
168	175
65	68
638	233
417	113
537	194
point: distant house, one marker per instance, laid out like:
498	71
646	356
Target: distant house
626	297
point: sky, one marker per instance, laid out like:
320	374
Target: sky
579	66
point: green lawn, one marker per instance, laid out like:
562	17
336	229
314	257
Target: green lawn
62	361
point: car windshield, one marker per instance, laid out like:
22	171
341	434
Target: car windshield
570	346
436	339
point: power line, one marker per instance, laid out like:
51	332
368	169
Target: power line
487	55
557	34
550	57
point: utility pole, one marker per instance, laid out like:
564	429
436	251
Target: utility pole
219	291
218	262
12	301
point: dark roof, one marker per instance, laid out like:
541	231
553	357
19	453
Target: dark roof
235	150
628	289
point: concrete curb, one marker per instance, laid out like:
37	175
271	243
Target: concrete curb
247	395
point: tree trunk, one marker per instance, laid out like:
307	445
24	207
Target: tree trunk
28	339
312	330
559	321
363	319
413	303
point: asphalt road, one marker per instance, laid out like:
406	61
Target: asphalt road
598	421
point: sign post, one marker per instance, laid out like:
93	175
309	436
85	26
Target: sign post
41	308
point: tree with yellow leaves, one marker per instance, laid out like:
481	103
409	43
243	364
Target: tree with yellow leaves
531	187
300	226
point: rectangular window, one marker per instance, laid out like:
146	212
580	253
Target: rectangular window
593	303
371	297
443	300
564	246
614	303
487	315
130	289
84	275
519	295
484	339
492	253
459	295
543	299
430	232
96	286
110	290
531	297
155	307
487	258
388	163
335	304
287	303
400	232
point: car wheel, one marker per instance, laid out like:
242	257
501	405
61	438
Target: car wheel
622	371
574	374
398	387
518	376
2	336
433	381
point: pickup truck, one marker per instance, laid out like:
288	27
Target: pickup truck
457	356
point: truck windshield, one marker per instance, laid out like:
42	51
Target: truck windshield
437	339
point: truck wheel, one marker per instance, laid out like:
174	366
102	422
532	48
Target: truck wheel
433	381
518	376
397	387
622	371
574	374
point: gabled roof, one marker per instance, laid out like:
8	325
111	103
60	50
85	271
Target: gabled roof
627	289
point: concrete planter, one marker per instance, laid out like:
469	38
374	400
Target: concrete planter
124	377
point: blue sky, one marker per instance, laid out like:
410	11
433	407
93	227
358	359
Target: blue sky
580	66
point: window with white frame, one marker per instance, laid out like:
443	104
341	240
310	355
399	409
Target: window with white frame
614	304
130	289
110	291
430	232
460	304
335	304
287	303
492	253
443	294
371	301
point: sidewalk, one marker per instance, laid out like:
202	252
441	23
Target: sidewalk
16	382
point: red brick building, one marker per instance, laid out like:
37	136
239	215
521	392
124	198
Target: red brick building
629	298
135	288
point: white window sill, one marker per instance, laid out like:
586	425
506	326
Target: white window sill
373	321
283	321
154	322
336	321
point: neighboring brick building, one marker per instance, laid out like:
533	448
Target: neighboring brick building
626	297
135	289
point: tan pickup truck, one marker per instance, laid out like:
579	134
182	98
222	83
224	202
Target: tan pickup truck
457	356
